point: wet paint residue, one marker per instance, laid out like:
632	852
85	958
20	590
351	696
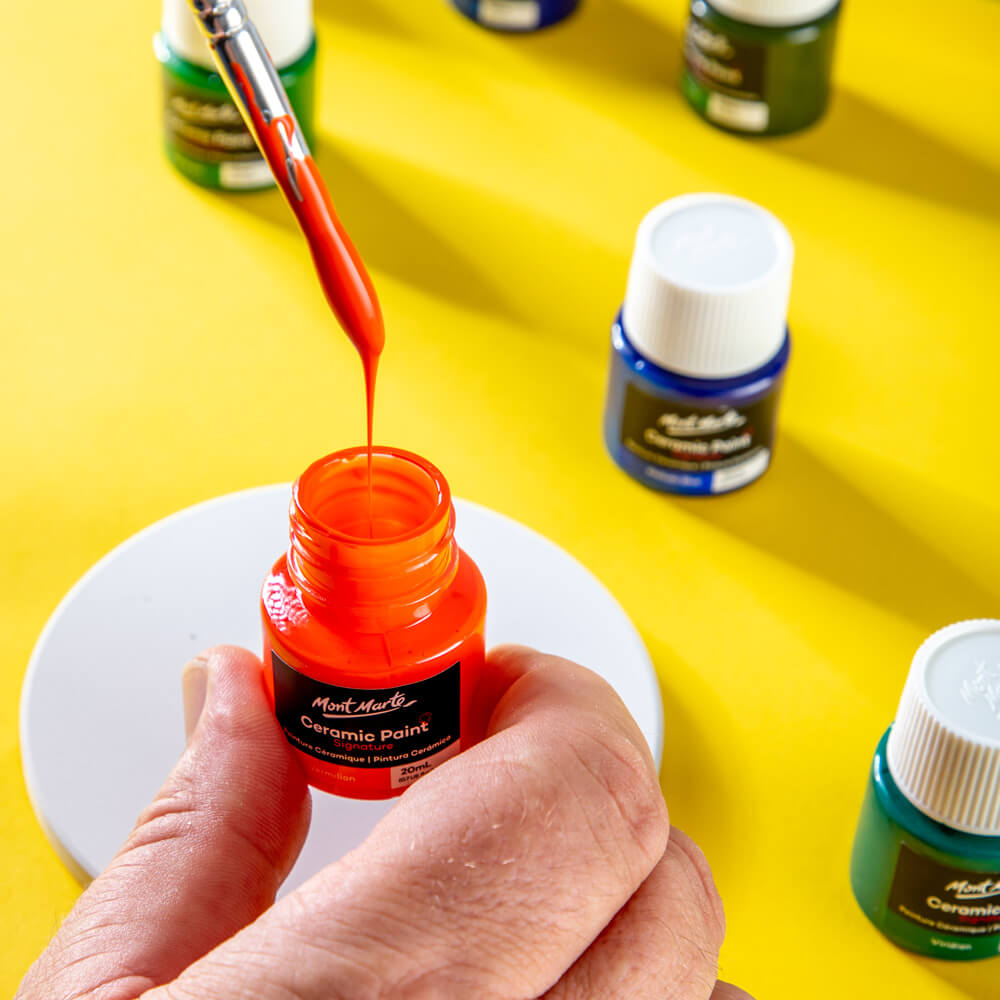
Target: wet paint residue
342	274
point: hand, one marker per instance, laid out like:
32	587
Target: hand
536	863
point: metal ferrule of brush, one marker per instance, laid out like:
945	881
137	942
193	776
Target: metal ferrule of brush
235	43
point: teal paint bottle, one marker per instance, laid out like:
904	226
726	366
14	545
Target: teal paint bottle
204	135
925	867
760	67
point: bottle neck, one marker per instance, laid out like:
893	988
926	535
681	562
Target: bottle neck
372	557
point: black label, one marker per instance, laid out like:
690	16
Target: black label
209	131
722	62
369	727
946	899
691	438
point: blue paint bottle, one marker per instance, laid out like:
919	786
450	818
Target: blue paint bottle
699	349
516	15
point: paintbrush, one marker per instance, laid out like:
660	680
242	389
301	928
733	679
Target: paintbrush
257	91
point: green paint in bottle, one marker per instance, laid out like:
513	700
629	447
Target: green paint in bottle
203	133
760	67
925	867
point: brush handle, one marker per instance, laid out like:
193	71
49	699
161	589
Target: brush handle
243	61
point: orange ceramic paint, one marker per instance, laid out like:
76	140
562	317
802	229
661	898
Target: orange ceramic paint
346	283
373	626
373	619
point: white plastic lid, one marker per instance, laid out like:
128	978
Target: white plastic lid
774	13
285	26
708	289
944	749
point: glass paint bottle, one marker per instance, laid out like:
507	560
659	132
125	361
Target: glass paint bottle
700	347
204	135
760	67
925	867
516	15
373	625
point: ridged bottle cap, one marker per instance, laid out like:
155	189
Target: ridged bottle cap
944	748
774	13
708	288
285	26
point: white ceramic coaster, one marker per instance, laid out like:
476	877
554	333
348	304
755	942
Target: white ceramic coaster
101	716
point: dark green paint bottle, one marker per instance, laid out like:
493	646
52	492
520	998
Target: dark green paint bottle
760	67
925	867
204	136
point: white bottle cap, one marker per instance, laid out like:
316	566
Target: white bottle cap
944	748
285	26
708	288
774	13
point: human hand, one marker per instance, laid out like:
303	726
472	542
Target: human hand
536	863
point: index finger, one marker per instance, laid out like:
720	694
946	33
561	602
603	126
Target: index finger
492	874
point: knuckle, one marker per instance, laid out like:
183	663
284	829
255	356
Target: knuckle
232	835
703	883
621	790
698	977
170	815
84	978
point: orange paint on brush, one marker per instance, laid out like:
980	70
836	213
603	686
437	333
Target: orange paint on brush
373	626
346	283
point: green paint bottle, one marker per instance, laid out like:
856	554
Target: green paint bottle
204	136
925	867
760	67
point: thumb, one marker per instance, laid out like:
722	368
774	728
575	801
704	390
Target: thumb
204	859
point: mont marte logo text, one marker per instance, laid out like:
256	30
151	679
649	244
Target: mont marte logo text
349	708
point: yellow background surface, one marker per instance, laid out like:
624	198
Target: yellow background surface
163	344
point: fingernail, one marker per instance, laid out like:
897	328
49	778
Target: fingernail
194	686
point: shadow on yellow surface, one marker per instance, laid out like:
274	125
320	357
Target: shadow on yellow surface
609	38
862	140
964	976
694	792
370	16
809	514
384	223
386	231
615	40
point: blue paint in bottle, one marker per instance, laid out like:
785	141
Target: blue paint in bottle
516	15
700	347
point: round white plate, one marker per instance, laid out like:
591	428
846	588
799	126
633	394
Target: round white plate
101	712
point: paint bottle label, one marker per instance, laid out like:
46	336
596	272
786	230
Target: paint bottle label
212	133
960	906
698	449
516	15
407	730
522	15
730	74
